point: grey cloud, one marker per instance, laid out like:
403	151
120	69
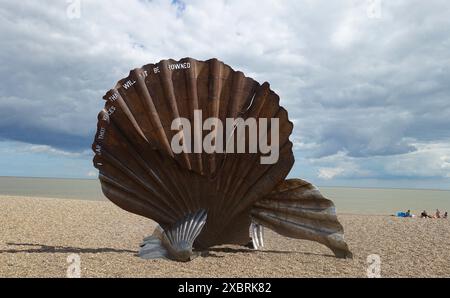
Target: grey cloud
368	87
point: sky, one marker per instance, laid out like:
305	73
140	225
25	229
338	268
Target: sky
366	83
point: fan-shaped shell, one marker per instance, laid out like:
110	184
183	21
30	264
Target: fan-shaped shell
139	171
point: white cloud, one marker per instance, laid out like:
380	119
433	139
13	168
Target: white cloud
92	174
430	160
20	147
347	31
329	173
53	151
339	165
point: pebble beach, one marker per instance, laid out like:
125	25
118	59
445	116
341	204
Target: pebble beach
40	236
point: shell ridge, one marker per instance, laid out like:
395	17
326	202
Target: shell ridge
142	162
250	184
199	222
153	114
169	94
190	227
168	90
255	184
156	121
293	184
236	110
238	159
175	202
213	105
130	115
137	156
191	85
123	168
163	216
259	102
298	211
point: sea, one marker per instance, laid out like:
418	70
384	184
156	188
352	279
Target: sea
347	199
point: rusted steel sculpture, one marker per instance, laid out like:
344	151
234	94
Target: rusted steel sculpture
201	199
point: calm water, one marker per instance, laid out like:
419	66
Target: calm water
387	201
347	200
84	189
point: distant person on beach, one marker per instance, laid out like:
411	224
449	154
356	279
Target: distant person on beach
424	214
438	214
404	214
445	215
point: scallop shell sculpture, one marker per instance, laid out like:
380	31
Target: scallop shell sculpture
202	199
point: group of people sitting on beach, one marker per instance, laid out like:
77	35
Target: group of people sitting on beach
424	214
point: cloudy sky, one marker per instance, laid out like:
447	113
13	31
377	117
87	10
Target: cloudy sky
367	83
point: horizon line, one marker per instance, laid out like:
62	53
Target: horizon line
329	186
